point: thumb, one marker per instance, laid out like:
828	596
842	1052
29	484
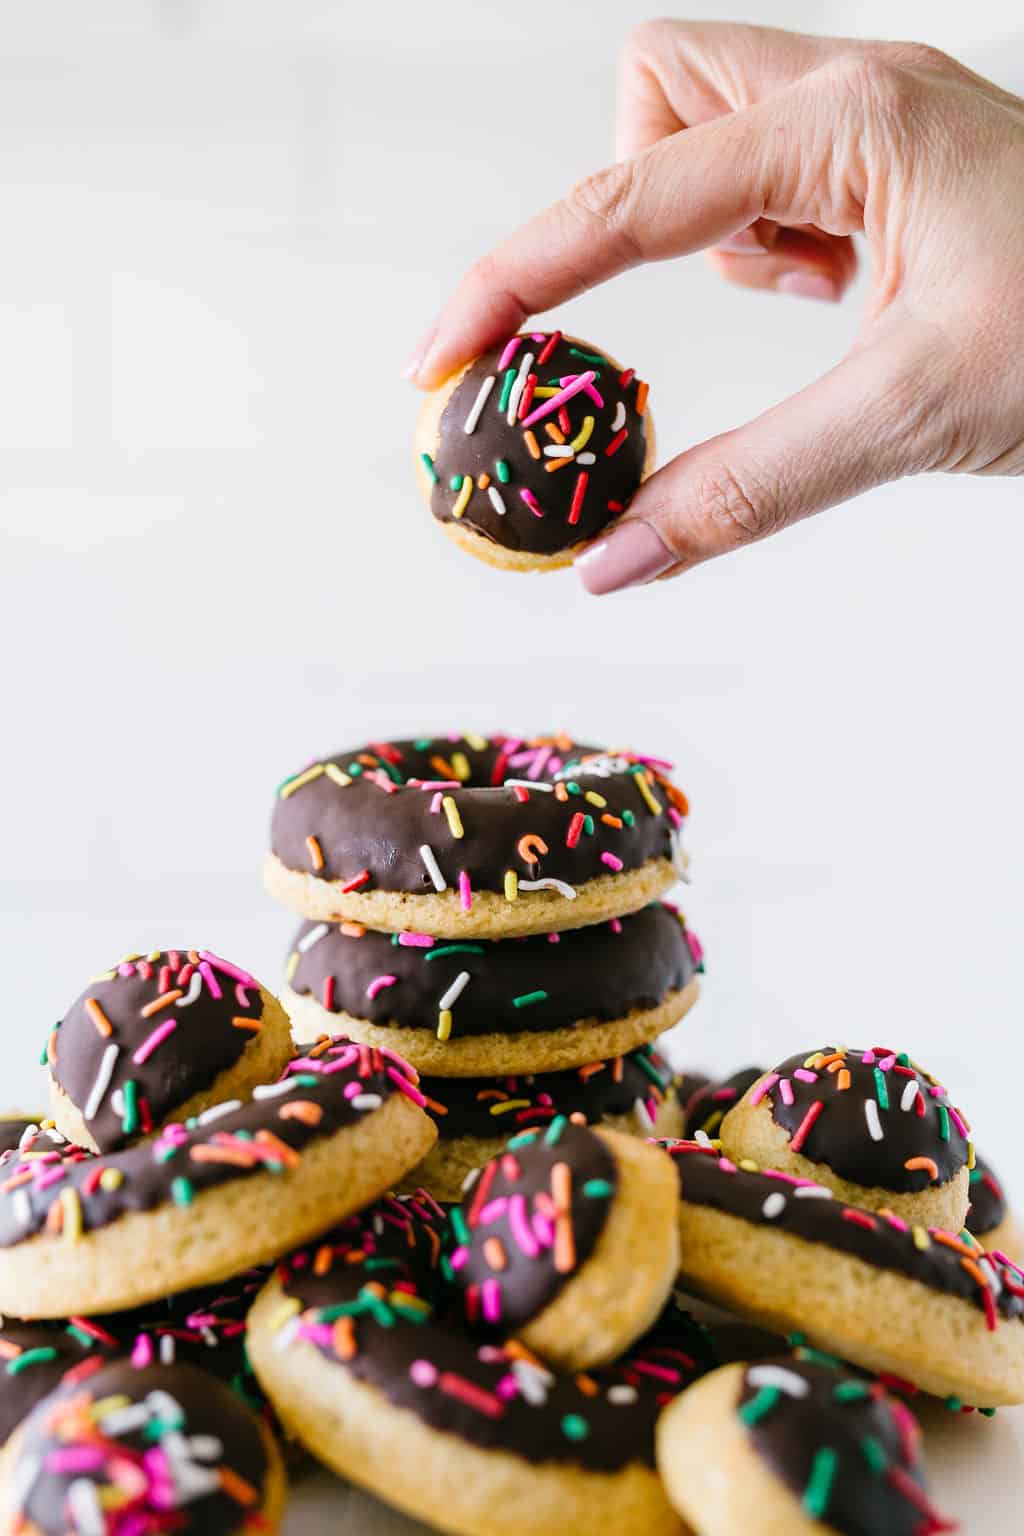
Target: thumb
871	419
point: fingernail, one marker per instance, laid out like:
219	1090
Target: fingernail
419	354
808	285
635	553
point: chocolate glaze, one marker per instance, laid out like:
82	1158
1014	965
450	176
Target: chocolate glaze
918	1122
599	972
504	1106
885	1242
515	1213
182	1401
123	1008
372	829
710	1101
508	1402
175	1167
200	1327
613	475
12	1129
848	1451
988	1200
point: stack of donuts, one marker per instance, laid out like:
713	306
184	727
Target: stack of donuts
490	908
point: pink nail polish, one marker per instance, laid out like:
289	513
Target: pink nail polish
635	553
419	354
808	285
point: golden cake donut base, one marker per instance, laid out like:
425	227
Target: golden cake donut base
264	1059
441	913
711	1471
271	1509
749	1131
549	1050
620	1289
426	439
876	1318
432	1475
448	1164
145	1255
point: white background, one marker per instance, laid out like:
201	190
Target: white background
222	227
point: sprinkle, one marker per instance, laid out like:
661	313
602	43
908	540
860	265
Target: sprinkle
759	1406
774	1205
804	1128
612	861
575	1427
478	404
130	1119
819	1487
875	1130
29	1357
494	1253
502	471
548	347
880	1088
921	1238
451	811
315	853
511	348
532	445
497	500
306	777
598	1189
465	891
312	937
579	383
619	419
462	500
549	883
583	435
444	1024
531	501
111	1179
641	396
98	1017
579	491
455	991
779	1377
526	999
336	776
909	1094
645	790
943	1123
378	984
511	885
433	870
616	443
468	1392
72	1206
428	465
759	1090
926	1163
181	1191
99	1088
152	1041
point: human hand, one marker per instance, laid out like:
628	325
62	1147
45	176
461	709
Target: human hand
774	149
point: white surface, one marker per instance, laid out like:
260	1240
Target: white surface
222	226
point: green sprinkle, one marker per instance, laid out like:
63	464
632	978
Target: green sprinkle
130	1123
382	1313
903	1059
591	357
301	1080
796	1339
761	1404
428	465
588	825
554	1131
819	1489
524	1139
164	1154
881	1091
987	1413
502	471
943	1122
628	818
453	949
525	999
446	1269
598	1189
573	787
456	482
575	1427
356	770
423	743
819	1357
30	1357
156	1429
181	1191
874	1454
411	1314
81	1335
341	1309
645	1064
851	1391
954	1404
459	1227
382	1264
506	388
974	1175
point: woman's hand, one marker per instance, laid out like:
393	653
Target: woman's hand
774	149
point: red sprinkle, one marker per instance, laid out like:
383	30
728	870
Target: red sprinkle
362	878
579	491
804	1128
616	442
575	829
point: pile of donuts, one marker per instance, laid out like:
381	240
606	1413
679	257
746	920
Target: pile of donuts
244	1233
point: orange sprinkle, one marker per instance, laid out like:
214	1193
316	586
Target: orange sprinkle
302	1109
282	1153
494	1253
588	1386
235	1486
561	1186
531	847
324	1259
343	1338
565	1244
353	930
483	481
589	1070
532	445
161	1002
926	1163
443	769
55	1217
98	1017
843	1080
553	464
826	1061
315	852
515	1349
949	1241
8	1351
51	1047
255	1025
439	1109
561	793
234	1155
555	433
641	396
976	1272
16	1181
610	820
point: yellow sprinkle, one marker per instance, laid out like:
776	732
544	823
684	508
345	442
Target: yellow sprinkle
292	966
545	391
645	789
72	1215
503	1109
444	1024
970	1155
112	1404
47	1124
127	959
334	773
451	810
111	1179
477	743
460	766
511	885
921	1238
747	1164
583	435
153	956
595	799
285	1312
302	778
462	500
404	1299
106	976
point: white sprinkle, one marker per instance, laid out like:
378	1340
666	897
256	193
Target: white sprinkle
27	1135
272	1090
909	1095
680	858
117	1102
874	1124
84	1507
312	937
558	451
470	1180
533	1382
643	1115
478	404
455	991
366	1101
545	789
286	1333
433	868
124	1420
23	1476
702	1139
215	1111
774	1205
22	1207
195	986
516	392
585	458
167	1349
496	499
549	884
206	1447
622	1394
619	419
99	1088
777	1376
812	1192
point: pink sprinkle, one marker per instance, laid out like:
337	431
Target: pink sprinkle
595	395
763	1087
493	1210
51	1176
142	1351
352	1090
531	501
241	996
507	1388
228	969
415	940
727	1166
378	984
786	1091
459	1257
403	1084
616	927
612	861
887	1063
151	1042
490	1295
438	784
509	1165
423	1373
897	1222
787	1178
554	938
75	1458
465	891
648	1368
126	969
674	817
211	981
958	1121
868	1059
543	1229
802	1075
511	348
435	804
695	946
520	1227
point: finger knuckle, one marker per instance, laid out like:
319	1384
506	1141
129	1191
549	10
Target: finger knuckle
738	508
919	56
607	198
875	78
649	38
